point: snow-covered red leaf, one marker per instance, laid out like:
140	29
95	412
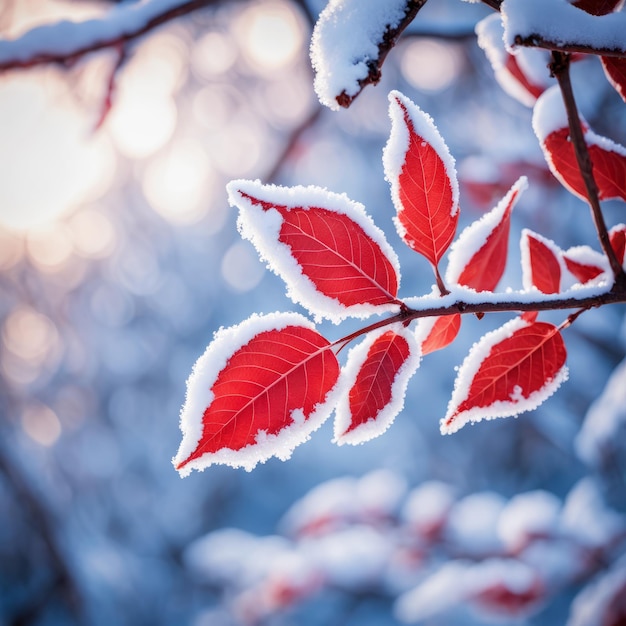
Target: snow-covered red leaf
334	260
584	263
422	175
508	371
435	333
597	7
615	70
258	391
617	237
375	377
541	263
478	257
608	158
524	76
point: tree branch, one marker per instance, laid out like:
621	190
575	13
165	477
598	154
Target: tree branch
389	40
65	42
560	70
539	41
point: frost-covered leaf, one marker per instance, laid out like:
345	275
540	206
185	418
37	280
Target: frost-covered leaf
435	333
541	263
597	7
615	70
523	76
258	391
376	376
422	175
617	237
508	371
608	158
478	257
584	263
349	42
334	260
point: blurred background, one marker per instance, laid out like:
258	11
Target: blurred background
120	257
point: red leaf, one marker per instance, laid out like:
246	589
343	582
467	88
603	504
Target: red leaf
478	257
509	599
510	370
615	70
379	379
351	270
617	237
423	180
541	267
597	7
608	160
438	332
256	392
512	67
584	272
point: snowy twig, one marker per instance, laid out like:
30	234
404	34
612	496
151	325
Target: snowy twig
537	41
390	37
65	42
560	70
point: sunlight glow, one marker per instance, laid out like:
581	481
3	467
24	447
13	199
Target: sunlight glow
270	35
49	161
175	183
213	55
49	247
41	424
430	65
92	233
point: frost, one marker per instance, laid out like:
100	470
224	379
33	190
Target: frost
499	408
345	43
380	422
560	22
474	237
395	150
199	396
262	228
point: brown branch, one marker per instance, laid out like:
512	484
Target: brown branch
560	70
69	55
537	41
389	40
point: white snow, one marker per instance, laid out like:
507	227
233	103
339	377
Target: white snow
66	38
532	62
560	22
395	150
527	270
584	255
527	516
474	237
345	41
379	423
502	408
262	229
427	506
604	419
199	396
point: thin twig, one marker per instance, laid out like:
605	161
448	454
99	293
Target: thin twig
560	70
538	41
389	40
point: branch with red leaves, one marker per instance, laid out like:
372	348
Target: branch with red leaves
261	388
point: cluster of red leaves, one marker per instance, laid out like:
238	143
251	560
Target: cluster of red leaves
336	263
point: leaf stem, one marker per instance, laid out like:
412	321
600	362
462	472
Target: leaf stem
560	70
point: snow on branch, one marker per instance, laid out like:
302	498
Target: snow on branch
559	25
350	43
65	41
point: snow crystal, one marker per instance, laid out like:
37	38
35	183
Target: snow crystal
562	23
262	228
199	396
345	42
379	423
474	237
395	150
604	419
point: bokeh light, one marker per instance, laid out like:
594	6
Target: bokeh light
430	65
241	268
41	424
